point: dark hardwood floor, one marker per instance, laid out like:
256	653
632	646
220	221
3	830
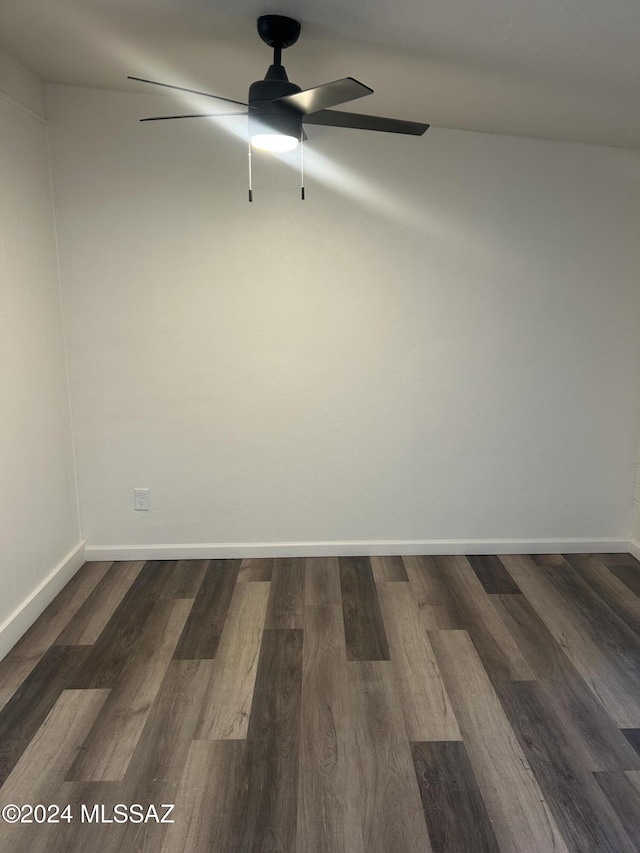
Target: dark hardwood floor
345	705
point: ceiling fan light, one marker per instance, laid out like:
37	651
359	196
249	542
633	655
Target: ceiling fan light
274	142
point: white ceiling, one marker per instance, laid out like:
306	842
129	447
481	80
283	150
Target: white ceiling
558	69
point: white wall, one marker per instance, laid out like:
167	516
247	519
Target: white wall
635	532
441	343
19	84
38	500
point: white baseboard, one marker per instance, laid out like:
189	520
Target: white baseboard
634	548
24	616
376	547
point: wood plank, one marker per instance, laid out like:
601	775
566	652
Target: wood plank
606	585
28	708
90	620
109	655
201	636
117	643
427	710
36	777
623	792
155	578
462	596
382	781
172	723
107	751
225	713
633	737
521	819
275	710
75	837
273	737
388	569
185	579
363	626
286	595
45	761
322	589
602	648
456	816
581	811
626	568
583	718
629	575
623	559
159	759
255	569
493	576
434	601
154	773
209	799
79	837
21	660
327	818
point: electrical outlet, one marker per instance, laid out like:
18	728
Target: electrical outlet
141	499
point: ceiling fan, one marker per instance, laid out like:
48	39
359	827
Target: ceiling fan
278	109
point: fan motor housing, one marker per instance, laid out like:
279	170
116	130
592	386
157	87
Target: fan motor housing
268	90
266	115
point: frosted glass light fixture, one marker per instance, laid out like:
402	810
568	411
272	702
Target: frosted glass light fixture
275	142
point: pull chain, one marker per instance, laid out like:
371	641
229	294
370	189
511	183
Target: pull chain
250	175
302	164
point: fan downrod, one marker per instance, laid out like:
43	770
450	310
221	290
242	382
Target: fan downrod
278	31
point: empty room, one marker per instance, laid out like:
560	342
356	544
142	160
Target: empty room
320	434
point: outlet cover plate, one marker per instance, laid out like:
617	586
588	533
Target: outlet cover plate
141	500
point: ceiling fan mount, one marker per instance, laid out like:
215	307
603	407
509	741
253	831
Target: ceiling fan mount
278	31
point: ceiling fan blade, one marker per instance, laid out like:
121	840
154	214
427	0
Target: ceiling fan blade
196	115
327	95
364	122
193	91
